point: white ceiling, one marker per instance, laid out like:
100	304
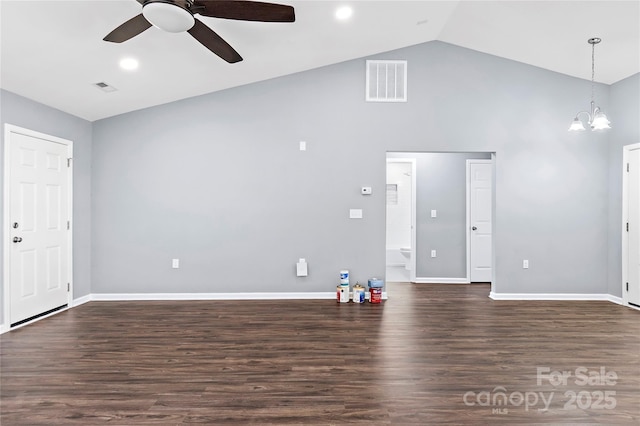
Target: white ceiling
52	51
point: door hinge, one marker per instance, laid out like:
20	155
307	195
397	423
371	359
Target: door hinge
627	226
627	286
627	167
69	162
68	225
68	287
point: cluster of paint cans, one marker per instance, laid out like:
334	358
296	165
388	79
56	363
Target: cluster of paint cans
358	295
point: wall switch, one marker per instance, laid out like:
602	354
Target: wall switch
303	146
355	213
366	190
434	213
301	268
525	264
433	253
175	263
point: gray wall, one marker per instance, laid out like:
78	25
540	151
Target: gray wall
218	180
625	122
441	186
31	115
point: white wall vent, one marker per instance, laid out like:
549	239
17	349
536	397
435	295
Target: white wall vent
386	81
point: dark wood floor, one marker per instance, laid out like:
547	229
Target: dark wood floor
431	354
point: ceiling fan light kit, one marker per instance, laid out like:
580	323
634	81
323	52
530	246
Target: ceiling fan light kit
170	17
596	118
178	16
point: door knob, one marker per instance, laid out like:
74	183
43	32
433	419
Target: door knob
17	239
474	228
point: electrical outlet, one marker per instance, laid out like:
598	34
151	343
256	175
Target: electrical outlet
175	263
433	253
525	264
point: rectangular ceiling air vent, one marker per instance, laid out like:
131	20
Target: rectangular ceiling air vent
105	87
386	81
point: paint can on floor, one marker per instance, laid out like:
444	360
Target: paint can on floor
344	277
375	295
342	294
358	293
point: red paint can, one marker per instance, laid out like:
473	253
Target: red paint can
375	295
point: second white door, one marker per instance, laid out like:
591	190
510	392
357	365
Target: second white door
480	190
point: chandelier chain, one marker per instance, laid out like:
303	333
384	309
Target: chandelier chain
593	70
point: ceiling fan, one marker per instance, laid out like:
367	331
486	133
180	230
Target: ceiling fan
178	16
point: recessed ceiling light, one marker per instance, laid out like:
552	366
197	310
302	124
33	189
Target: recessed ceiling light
129	64
344	12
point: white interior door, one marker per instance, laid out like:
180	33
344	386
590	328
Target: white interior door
480	190
39	213
633	229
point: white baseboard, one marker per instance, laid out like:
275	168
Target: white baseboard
551	296
211	296
81	300
615	299
106	297
442	281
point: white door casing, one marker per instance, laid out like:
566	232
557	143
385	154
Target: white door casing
480	220
631	225
38	206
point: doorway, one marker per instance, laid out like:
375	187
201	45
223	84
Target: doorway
441	227
37	220
400	219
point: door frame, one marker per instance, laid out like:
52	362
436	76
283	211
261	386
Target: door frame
412	161
493	219
626	150
10	129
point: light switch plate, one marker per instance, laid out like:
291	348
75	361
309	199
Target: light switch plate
303	146
366	190
433	253
434	213
175	263
355	213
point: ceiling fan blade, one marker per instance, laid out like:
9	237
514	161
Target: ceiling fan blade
129	29
244	10
212	41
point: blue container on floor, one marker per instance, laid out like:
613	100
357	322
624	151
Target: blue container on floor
376	283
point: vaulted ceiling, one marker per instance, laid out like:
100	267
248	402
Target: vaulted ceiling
52	51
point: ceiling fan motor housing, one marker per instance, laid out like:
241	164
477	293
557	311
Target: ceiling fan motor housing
172	16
